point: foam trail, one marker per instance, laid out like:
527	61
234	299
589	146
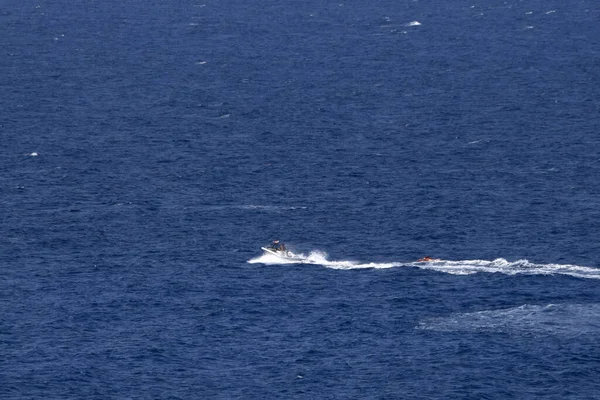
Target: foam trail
464	267
500	265
319	258
558	319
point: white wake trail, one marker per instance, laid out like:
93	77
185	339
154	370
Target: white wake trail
519	267
462	267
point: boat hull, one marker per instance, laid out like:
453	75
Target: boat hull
284	255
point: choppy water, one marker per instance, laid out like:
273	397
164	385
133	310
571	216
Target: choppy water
149	149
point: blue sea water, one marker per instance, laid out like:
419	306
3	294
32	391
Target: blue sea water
149	149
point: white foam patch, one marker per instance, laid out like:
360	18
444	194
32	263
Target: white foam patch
315	257
560	319
464	267
270	259
318	258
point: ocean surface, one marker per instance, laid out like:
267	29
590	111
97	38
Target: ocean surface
148	149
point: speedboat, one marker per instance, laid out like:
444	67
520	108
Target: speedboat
283	254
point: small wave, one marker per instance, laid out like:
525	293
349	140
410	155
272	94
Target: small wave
267	207
261	207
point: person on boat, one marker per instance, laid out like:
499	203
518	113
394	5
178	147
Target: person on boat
427	258
278	246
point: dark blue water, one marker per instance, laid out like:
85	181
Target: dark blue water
148	149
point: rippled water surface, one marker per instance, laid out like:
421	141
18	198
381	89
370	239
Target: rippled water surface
149	149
